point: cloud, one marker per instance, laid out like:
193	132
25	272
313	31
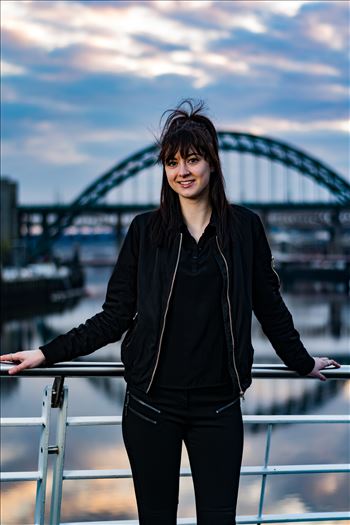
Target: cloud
242	19
108	39
11	95
11	70
86	81
263	125
49	144
113	38
187	5
328	25
56	145
281	63
289	9
109	27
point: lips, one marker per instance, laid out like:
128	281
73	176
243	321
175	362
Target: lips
187	183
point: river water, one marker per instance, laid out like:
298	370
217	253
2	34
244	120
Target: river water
324	324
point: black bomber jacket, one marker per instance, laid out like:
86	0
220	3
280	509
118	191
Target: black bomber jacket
139	292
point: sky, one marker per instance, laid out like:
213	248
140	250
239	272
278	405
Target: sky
84	83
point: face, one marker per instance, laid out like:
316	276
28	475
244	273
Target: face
188	177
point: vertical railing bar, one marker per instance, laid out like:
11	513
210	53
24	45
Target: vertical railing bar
57	478
39	513
264	476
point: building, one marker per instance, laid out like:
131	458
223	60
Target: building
8	217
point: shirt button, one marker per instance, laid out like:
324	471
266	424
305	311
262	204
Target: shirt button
194	256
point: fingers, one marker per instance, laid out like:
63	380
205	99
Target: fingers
18	368
329	362
23	360
334	363
17	356
11	357
7	357
321	376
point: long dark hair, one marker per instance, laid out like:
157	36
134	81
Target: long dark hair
187	130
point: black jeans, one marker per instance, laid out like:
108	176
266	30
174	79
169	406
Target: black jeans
209	421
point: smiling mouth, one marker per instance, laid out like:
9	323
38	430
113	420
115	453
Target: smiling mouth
187	183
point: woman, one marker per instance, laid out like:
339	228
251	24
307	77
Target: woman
186	281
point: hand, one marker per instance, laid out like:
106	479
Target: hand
27	359
320	363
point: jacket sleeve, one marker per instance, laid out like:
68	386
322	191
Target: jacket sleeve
117	312
271	311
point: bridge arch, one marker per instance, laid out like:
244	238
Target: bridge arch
258	146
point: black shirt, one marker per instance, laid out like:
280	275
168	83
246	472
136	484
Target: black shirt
193	351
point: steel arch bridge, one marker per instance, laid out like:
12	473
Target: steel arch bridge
258	146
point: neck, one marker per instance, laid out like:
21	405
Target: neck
196	213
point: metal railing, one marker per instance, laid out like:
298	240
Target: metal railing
56	398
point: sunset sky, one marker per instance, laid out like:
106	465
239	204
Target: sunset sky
85	82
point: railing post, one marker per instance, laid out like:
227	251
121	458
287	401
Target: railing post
264	476
59	450
39	513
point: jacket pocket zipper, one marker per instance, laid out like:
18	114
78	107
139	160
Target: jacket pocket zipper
228	405
132	334
142	416
144	403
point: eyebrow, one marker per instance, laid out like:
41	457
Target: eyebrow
189	154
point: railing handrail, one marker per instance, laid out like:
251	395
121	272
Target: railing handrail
58	394
108	368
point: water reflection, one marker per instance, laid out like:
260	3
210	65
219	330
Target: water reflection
323	322
324	329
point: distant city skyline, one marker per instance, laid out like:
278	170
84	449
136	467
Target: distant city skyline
84	83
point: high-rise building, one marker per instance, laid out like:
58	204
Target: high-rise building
8	215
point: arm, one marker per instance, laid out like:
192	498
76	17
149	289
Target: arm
103	328
117	311
270	310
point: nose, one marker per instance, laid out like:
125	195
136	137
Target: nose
183	169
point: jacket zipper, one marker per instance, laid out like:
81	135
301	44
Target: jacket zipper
165	313
144	403
126	403
142	415
226	406
273	269
241	392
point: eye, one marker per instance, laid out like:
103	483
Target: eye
192	160
171	163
